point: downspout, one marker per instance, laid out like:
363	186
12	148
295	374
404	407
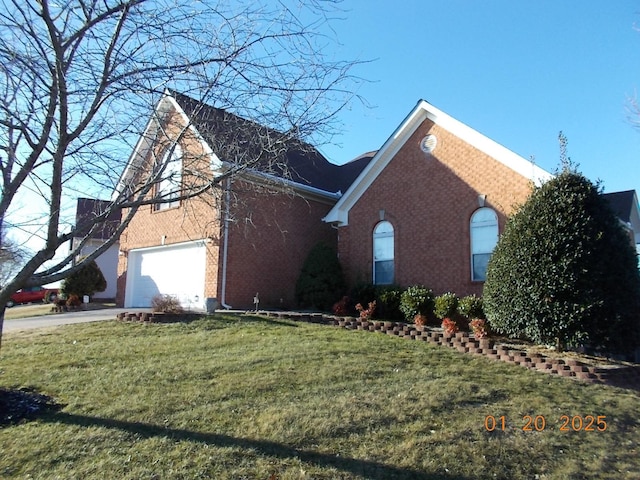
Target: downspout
225	244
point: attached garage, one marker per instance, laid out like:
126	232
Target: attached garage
177	270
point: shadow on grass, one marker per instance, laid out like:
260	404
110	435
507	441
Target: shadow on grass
370	469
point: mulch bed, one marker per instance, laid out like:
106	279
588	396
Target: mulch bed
21	404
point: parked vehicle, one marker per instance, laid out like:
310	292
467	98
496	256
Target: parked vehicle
33	294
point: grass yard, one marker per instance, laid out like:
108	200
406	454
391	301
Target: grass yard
24	311
254	398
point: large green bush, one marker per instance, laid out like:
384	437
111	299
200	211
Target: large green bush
85	281
416	299
321	281
564	271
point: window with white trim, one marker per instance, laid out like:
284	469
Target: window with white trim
383	253
484	237
168	188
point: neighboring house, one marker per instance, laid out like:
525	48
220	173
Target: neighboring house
250	236
625	205
430	205
86	209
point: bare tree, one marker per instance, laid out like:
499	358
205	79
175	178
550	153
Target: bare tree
12	257
79	79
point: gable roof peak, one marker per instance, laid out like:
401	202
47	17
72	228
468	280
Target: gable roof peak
227	136
424	110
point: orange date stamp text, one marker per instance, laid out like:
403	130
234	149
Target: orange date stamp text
539	423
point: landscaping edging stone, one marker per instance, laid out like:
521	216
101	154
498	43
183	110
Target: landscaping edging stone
157	317
619	375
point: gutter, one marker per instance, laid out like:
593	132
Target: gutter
225	245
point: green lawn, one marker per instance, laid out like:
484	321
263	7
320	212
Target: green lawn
23	311
256	398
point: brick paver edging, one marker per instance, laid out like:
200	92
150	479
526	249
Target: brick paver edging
611	374
619	375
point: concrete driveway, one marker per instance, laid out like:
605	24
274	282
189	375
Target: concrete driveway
66	318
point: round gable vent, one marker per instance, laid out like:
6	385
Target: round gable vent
428	143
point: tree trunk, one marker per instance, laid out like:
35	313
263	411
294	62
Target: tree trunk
3	307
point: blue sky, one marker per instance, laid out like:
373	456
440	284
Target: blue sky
517	71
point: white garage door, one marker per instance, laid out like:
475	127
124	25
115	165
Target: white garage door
176	270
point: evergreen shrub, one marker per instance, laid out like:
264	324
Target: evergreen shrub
446	305
416	299
321	281
85	281
564	271
471	307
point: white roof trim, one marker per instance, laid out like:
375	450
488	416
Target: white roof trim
423	110
166	104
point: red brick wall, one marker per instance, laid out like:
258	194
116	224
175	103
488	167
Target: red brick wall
430	200
269	240
193	220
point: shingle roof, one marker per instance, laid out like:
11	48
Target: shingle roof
89	208
621	203
230	136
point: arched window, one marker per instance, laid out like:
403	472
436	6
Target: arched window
484	237
383	254
170	184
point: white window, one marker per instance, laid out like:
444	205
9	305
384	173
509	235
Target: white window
168	188
383	254
484	237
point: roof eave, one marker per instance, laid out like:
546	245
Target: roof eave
278	182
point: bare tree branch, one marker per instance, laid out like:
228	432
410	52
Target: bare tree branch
78	78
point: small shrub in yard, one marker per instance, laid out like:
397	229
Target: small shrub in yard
387	298
73	301
166	304
449	326
85	281
446	305
388	302
341	307
363	293
366	314
471	307
479	327
417	299
420	320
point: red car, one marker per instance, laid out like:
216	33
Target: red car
33	294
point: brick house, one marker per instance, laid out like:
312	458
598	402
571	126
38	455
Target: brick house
625	205
429	206
88	240
249	236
